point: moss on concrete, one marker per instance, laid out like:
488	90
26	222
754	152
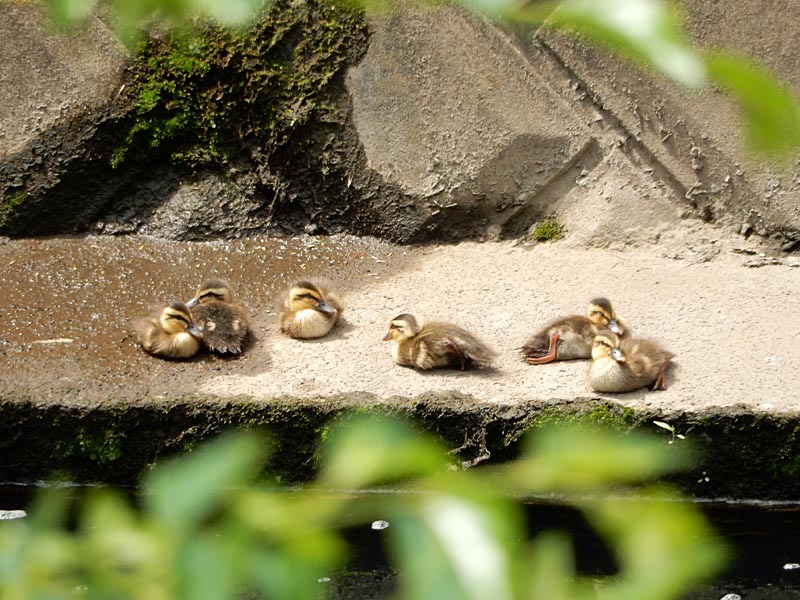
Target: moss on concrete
739	454
9	205
215	97
256	107
547	231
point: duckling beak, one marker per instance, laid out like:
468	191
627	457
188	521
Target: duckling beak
194	331
323	307
388	337
617	355
614	327
192	302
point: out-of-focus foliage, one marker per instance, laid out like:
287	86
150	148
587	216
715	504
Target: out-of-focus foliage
649	31
207	529
771	112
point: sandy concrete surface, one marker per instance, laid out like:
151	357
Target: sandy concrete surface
732	327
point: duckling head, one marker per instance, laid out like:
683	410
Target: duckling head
212	290
602	315
606	344
306	296
175	318
402	327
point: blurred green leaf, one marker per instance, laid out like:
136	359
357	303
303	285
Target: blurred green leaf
771	112
457	539
70	13
587	459
650	30
50	508
122	553
186	491
664	546
293	570
549	571
231	13
281	514
209	567
365	451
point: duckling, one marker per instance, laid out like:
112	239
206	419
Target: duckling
225	325
571	337
626	365
171	333
436	345
310	310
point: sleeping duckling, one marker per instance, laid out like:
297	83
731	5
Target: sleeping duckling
171	334
309	311
436	345
626	365
225	325
571	337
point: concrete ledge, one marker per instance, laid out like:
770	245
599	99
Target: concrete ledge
78	394
741	454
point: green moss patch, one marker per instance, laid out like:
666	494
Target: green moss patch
547	231
215	97
9	205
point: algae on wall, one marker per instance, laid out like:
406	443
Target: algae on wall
238	105
215	97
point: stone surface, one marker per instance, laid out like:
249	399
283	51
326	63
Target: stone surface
48	76
696	137
731	327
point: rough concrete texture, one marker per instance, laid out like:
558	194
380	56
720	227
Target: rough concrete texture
695	138
458	129
477	137
48	76
731	326
450	110
454	111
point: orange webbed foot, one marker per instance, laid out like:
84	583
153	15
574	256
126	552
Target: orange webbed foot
551	355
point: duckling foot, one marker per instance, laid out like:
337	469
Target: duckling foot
551	352
661	379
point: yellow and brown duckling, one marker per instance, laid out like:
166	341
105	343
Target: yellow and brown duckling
571	337
225	325
310	310
171	333
436	345
624	365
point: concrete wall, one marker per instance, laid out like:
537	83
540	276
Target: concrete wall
47	76
482	133
442	95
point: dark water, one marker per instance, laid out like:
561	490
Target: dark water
764	538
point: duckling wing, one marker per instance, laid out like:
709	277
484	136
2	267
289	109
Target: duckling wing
645	358
456	346
147	334
537	346
225	328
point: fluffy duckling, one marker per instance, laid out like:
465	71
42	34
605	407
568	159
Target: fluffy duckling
225	325
171	334
436	345
310	310
626	365
571	337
